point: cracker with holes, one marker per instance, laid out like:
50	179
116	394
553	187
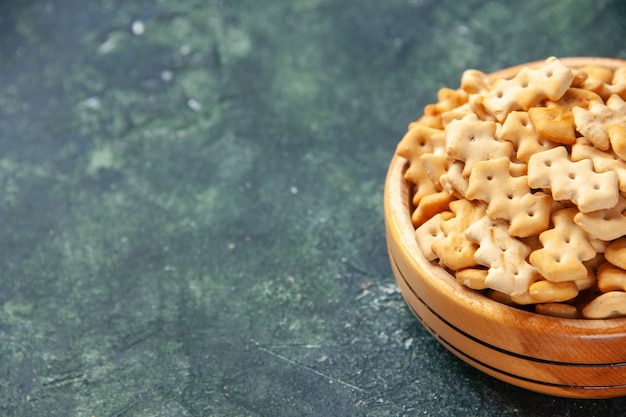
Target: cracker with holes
504	255
430	205
575	181
430	232
565	247
509	198
471	140
455	251
448	99
603	161
576	97
435	162
605	225
413	145
519	130
528	88
605	82
416	142
595	122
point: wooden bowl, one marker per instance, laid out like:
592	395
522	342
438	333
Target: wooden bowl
578	358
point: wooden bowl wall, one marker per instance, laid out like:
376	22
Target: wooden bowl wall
576	358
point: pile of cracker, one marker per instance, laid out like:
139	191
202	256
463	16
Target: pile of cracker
518	187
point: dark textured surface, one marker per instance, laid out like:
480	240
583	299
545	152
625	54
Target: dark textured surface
190	206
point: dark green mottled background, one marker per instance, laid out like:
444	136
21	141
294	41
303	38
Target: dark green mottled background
190	202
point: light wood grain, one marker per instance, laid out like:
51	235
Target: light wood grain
576	358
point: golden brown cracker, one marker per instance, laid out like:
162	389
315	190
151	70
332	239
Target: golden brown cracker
608	305
615	253
429	232
565	247
554	123
455	251
605	225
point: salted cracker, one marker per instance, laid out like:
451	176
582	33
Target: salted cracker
608	305
455	251
430	205
611	278
490	150
576	97
565	247
615	253
473	278
505	256
430	232
509	197
554	123
471	140
475	81
560	310
617	137
545	291
447	99
596	73
453	181
519	130
605	225
604	81
477	104
618	83
528	88
603	161
456	114
589	281
575	181
417	141
422	185
435	161
594	123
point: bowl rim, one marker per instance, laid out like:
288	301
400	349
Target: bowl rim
400	229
